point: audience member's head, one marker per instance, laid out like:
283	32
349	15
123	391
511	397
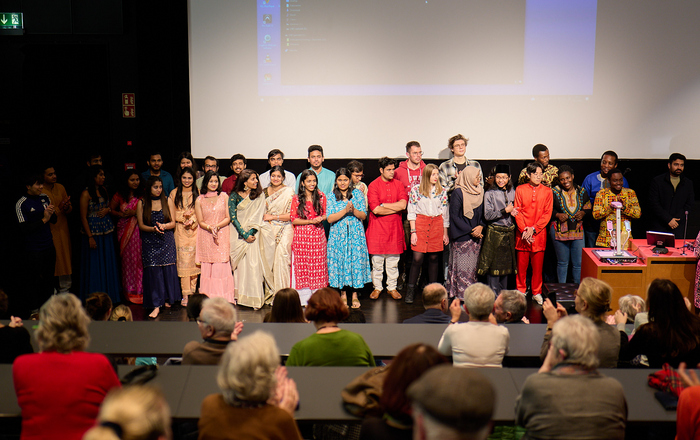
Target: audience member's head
121	313
217	319
325	306
478	301
247	369
510	306
592	298
435	297
136	412
406	367
575	339
63	325
452	403
631	304
286	307
98	306
194	305
670	319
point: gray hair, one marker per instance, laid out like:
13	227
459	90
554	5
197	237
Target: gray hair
515	303
631	304
578	337
220	314
479	299
247	369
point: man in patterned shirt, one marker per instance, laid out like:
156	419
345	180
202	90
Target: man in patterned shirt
550	178
451	168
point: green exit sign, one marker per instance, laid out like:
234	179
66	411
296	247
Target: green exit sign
11	20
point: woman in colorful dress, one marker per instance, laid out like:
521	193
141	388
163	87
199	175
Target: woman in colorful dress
348	260
123	206
155	214
183	198
99	271
276	233
246	207
59	230
571	204
466	231
308	211
213	243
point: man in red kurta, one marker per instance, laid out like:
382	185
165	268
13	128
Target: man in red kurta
387	198
533	202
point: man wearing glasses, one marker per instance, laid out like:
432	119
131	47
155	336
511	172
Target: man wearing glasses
218	327
210	164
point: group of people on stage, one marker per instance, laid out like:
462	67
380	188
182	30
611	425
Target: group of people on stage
246	236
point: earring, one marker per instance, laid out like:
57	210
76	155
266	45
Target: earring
245	187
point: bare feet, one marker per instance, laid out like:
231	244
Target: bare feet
183	303
344	298
167	305
154	313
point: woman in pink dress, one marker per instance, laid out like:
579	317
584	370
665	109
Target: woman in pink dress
309	269
211	209
123	206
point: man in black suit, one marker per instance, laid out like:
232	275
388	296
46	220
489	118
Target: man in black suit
671	195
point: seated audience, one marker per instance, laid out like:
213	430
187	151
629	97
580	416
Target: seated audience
257	399
329	346
510	307
452	403
688	411
98	306
568	397
592	300
406	367
14	338
477	343
286	308
217	325
135	413
61	388
630	307
436	306
673	332
194	306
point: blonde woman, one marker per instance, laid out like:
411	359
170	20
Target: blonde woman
429	216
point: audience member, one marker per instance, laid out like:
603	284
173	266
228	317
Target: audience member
510	307
387	198
123	206
183	198
136	412
325	177
592	300
98	306
466	231
99	271
568	397
452	403
286	308
452	167
348	260
593	183
257	398
14	338
604	210
688	411
194	305
329	346
571	205
477	343
218	327
550	176
408	365
497	256
155	214
534	205
38	256
61	388
275	158
155	168
210	164
59	198
121	313
671	197
238	164
630	307
436	306
277	233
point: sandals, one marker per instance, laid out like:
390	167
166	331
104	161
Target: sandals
355	303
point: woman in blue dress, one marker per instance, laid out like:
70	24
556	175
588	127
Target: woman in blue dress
156	216
348	261
99	271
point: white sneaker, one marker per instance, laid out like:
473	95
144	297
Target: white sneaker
538	299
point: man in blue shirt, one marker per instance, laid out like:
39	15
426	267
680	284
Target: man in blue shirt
155	163
326	177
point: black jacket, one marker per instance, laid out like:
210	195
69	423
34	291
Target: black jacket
666	203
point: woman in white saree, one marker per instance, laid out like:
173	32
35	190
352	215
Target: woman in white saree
246	208
276	234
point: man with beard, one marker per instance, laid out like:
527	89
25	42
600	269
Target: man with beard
671	196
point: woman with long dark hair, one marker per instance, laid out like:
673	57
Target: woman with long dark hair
185	160
348	260
123	206
286	308
99	271
246	207
308	211
155	214
183	197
